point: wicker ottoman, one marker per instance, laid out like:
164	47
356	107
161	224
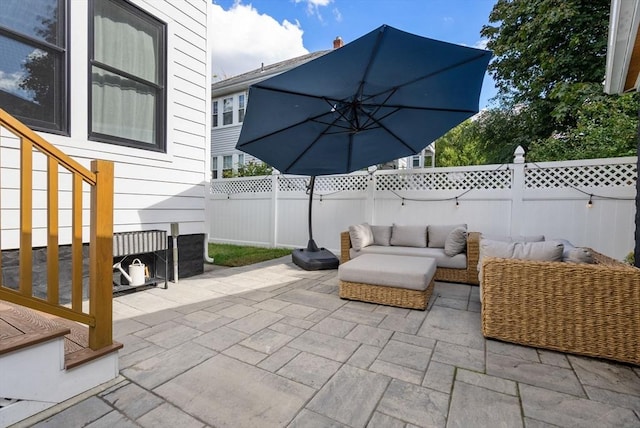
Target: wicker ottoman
402	281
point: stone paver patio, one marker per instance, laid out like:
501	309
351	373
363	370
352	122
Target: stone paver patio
271	345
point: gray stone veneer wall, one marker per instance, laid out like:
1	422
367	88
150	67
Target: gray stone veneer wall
190	263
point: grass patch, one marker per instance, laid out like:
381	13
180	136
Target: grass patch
240	255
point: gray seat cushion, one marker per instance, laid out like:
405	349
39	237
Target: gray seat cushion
414	273
459	261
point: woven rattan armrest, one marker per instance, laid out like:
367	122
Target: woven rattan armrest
588	309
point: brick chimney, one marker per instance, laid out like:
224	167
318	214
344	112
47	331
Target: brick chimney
338	43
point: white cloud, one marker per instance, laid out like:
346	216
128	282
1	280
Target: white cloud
313	7
243	39
481	44
9	82
337	15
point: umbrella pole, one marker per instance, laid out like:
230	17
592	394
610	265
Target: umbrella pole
311	245
312	257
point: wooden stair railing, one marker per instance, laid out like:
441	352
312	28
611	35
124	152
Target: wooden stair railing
100	180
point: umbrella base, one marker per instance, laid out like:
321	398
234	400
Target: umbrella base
321	259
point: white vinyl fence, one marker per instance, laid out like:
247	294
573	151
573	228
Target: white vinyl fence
521	198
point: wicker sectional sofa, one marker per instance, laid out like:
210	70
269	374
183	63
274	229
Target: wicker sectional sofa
467	275
588	309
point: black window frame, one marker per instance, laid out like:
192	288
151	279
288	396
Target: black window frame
60	125
161	87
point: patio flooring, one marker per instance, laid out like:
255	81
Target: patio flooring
271	345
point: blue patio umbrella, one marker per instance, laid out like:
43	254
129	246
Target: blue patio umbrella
386	95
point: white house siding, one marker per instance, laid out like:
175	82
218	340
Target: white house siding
152	190
224	139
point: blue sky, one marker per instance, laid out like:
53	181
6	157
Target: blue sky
248	33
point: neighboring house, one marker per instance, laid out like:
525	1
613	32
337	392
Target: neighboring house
126	81
228	102
623	69
425	159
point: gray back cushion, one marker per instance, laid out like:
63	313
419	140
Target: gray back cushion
409	236
516	238
542	251
548	251
438	234
381	235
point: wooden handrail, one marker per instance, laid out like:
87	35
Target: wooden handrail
20	129
100	179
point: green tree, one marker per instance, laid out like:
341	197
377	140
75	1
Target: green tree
502	130
540	43
606	126
549	66
252	169
459	146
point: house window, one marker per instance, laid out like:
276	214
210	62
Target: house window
227	166
241	159
227	111
214	167
241	99
128	69
416	161
33	63
215	114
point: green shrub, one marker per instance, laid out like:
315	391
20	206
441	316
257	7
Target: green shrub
630	258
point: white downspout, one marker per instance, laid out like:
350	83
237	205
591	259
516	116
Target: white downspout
206	249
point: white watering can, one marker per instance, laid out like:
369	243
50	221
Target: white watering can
136	272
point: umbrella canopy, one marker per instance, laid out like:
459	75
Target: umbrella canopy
381	97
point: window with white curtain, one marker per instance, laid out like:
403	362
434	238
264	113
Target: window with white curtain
128	72
33	63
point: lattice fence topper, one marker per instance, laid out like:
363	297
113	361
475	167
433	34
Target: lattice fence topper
612	175
231	186
324	184
458	180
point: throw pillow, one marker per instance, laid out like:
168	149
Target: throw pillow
409	236
438	234
381	235
580	255
568	246
361	236
456	241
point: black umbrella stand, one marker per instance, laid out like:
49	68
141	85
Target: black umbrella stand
312	257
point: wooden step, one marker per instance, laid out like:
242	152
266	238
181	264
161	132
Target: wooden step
21	327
